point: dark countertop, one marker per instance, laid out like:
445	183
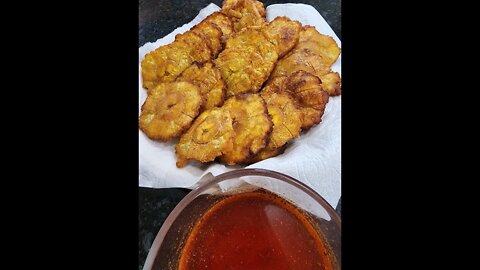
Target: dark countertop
158	18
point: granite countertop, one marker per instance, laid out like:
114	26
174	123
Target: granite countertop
157	18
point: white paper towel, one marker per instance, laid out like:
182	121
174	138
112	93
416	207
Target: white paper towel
314	158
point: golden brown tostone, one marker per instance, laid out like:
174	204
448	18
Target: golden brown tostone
169	110
252	126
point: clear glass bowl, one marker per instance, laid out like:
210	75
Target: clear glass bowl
166	248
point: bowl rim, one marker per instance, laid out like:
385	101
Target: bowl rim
224	176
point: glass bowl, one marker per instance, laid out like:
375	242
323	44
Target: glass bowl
166	248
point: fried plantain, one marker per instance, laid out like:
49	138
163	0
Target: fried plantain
250	37
314	53
183	81
320	44
286	118
284	34
331	83
165	63
281	32
169	110
252	126
207	77
297	60
210	135
267	153
246	62
223	22
311	97
244	13
199	44
212	34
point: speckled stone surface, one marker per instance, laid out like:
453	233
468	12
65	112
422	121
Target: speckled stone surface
154	206
157	18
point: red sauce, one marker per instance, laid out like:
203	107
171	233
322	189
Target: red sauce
255	230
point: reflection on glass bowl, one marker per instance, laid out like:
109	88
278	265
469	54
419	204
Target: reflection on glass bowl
260	210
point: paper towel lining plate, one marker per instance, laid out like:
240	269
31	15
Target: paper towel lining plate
314	158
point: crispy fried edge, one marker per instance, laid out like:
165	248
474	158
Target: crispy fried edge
268	153
336	90
224	84
182	160
295	104
211	19
287	20
267	137
269	72
178	38
306	27
290	87
242	3
180	131
213	52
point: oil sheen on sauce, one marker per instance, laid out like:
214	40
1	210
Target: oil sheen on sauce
254	230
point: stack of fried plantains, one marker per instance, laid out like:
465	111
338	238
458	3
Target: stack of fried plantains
236	88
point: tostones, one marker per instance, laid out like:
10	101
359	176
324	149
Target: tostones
207	77
169	110
246	62
303	59
332	83
284	34
267	153
231	54
315	53
166	63
311	98
252	127
250	37
210	135
212	35
322	45
286	118
244	13
198	44
223	22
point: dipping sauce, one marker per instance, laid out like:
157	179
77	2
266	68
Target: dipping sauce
254	230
